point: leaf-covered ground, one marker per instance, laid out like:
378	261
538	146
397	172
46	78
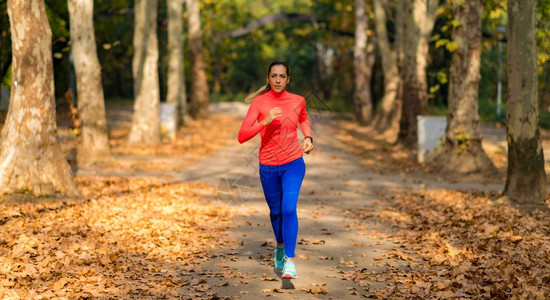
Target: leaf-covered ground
133	238
149	238
128	237
459	244
455	244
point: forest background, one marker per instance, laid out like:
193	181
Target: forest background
320	51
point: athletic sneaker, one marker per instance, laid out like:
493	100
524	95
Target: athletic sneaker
289	270
279	257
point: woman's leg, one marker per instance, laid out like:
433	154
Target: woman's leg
271	183
291	182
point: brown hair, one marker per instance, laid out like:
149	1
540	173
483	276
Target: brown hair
264	89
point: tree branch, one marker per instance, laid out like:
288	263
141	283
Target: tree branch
267	19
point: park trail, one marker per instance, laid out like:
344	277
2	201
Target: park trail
330	245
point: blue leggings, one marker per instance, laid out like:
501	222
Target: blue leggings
281	186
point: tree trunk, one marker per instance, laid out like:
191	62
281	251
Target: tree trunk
389	113
415	101
325	73
198	102
526	179
462	152
176	75
398	43
30	155
146	118
94	144
362	96
418	21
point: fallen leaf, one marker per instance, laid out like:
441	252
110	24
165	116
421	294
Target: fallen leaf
268	279
303	257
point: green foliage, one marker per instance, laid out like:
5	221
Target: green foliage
58	18
488	108
487	111
114	26
5	46
441	77
239	97
6	81
544	119
437	110
319	53
339	105
543	32
240	64
440	53
463	140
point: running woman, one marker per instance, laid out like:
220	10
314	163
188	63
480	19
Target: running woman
275	114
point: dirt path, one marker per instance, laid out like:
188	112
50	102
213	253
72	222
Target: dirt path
331	247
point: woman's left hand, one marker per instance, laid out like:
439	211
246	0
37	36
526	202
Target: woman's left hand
308	146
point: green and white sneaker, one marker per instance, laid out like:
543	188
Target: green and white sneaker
279	257
289	270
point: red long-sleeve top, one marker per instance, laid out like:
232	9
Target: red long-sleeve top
280	143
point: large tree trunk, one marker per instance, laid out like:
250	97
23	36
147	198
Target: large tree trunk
526	179
462	152
389	112
418	21
198	102
415	101
176	75
94	144
362	96
30	155
146	118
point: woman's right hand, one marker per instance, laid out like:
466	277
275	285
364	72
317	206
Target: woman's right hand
272	115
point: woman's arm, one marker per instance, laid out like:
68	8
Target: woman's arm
248	128
305	125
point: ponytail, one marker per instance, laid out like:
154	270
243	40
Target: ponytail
264	89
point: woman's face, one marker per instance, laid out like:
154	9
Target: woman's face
278	79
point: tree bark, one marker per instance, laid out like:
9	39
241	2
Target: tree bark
399	7
526	179
415	101
94	143
389	112
462	152
146	119
30	155
362	96
418	21
198	102
176	76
